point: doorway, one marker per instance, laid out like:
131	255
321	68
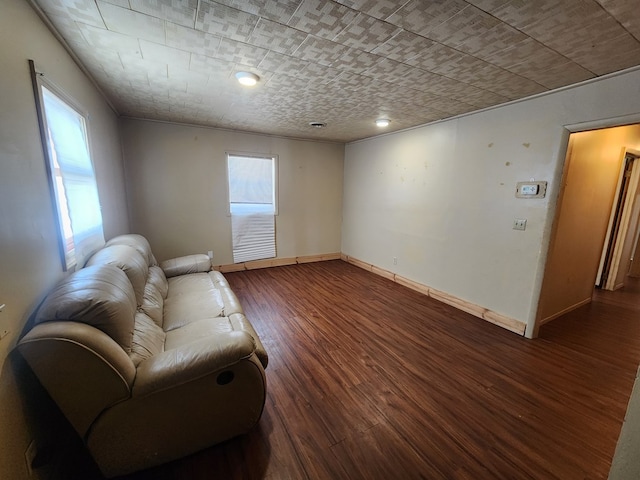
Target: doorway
590	182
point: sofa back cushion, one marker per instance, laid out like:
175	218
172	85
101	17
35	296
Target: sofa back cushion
100	296
138	242
148	339
127	259
158	280
155	291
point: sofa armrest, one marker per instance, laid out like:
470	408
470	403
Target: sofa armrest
192	361
198	263
81	367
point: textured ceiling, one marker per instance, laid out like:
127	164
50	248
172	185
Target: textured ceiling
344	62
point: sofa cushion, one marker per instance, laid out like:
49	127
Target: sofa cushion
207	327
153	301
180	310
157	278
129	260
100	296
191	297
138	242
212	282
148	339
192	282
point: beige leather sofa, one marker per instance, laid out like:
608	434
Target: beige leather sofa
148	363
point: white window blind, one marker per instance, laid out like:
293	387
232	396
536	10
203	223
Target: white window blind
252	204
73	180
253	237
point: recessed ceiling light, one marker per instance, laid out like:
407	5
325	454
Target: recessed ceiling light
383	122
318	124
247	79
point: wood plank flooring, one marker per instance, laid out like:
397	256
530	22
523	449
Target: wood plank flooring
370	380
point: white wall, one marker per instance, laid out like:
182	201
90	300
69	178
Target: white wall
441	199
176	178
29	260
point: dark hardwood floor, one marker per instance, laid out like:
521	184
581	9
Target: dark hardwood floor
370	380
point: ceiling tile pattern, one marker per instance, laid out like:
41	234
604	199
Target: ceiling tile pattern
422	17
183	13
366	33
225	21
342	62
194	42
626	12
322	18
278	37
403	46
355	61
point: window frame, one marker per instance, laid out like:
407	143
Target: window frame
70	258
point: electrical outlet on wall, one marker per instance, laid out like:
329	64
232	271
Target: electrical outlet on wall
519	223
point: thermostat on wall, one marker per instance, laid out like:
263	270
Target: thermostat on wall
531	189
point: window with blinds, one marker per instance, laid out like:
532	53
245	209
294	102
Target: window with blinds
71	176
252	205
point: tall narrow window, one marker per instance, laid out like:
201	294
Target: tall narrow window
252	204
72	178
